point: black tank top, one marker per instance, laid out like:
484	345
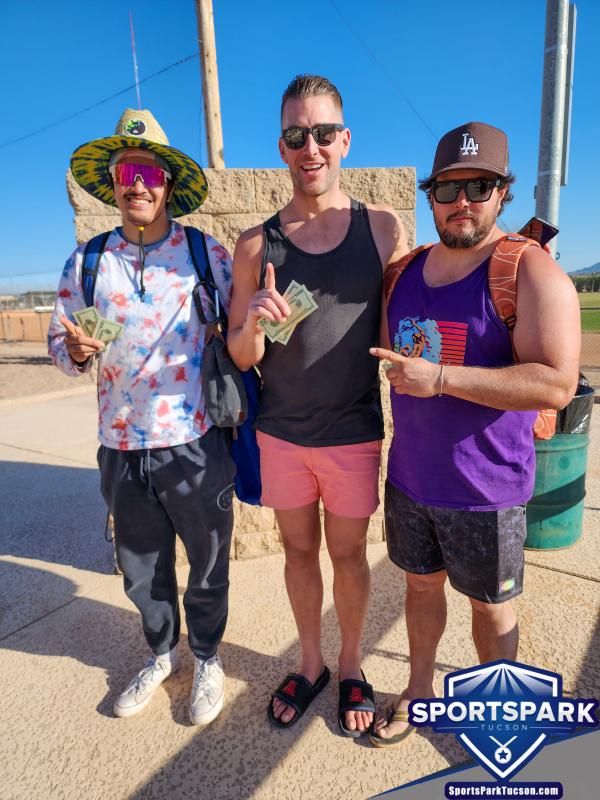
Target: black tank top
322	388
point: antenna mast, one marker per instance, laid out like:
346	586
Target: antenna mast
135	65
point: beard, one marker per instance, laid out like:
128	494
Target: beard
464	241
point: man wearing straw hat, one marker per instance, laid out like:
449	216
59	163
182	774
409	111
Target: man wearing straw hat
164	467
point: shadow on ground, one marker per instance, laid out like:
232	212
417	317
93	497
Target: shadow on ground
235	755
54	514
24	360
588	679
262	749
239	752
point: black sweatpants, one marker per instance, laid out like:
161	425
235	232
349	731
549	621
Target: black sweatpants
151	495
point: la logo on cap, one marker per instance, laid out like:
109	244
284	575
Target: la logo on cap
469	145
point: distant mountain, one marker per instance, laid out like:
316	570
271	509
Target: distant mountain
587	270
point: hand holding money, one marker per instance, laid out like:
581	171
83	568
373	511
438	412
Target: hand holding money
268	304
79	346
88	319
301	303
95	326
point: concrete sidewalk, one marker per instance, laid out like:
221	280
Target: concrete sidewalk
70	641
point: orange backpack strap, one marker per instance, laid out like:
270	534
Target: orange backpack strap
394	270
544	426
502	277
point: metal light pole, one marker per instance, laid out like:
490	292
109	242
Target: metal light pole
559	49
210	83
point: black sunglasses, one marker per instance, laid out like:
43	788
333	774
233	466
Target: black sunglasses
323	134
477	190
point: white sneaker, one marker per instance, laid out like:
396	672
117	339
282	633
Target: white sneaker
140	690
208	690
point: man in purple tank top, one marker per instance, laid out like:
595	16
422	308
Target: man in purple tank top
320	423
462	461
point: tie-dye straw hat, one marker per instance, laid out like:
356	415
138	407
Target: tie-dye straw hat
138	128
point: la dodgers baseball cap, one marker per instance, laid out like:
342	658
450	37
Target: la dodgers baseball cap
473	145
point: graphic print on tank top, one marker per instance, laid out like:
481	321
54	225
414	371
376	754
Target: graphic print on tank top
434	340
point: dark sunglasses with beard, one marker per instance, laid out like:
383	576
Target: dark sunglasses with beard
477	190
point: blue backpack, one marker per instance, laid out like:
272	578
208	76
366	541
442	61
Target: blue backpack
244	448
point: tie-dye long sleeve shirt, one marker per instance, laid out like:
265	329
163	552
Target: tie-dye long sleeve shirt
149	387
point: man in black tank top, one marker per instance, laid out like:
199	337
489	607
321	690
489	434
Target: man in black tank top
320	424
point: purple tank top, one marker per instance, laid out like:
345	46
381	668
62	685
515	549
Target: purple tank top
449	452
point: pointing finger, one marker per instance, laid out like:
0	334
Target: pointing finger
387	355
270	278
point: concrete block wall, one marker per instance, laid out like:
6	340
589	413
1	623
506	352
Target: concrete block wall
240	199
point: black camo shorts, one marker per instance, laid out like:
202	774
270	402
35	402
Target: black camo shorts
482	551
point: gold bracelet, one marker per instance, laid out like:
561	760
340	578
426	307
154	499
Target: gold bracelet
441	391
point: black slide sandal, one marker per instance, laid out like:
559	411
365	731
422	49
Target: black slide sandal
355	695
297	692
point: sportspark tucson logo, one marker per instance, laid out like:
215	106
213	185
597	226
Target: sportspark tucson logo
503	713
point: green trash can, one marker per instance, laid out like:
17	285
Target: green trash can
555	512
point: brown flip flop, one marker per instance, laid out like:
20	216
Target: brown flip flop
393	716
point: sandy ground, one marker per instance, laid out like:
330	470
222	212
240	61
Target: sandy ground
26	369
70	640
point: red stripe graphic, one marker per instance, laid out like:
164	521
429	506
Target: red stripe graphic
454	342
449	325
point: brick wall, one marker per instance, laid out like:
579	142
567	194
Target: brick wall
239	199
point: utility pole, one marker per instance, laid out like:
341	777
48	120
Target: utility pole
210	83
559	47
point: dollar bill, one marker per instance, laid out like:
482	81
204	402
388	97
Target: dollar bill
106	331
301	303
284	335
282	332
88	319
299	308
303	295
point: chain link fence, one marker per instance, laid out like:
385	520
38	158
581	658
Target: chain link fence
589	302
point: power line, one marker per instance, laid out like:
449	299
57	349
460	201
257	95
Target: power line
392	80
99	103
384	69
39	272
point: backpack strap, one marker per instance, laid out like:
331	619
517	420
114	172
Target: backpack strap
502	277
394	270
91	261
199	254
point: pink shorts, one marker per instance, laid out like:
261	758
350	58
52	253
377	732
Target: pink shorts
345	476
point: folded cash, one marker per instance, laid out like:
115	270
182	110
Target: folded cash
301	303
96	327
88	319
285	331
106	330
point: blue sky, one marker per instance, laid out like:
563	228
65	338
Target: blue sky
452	62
